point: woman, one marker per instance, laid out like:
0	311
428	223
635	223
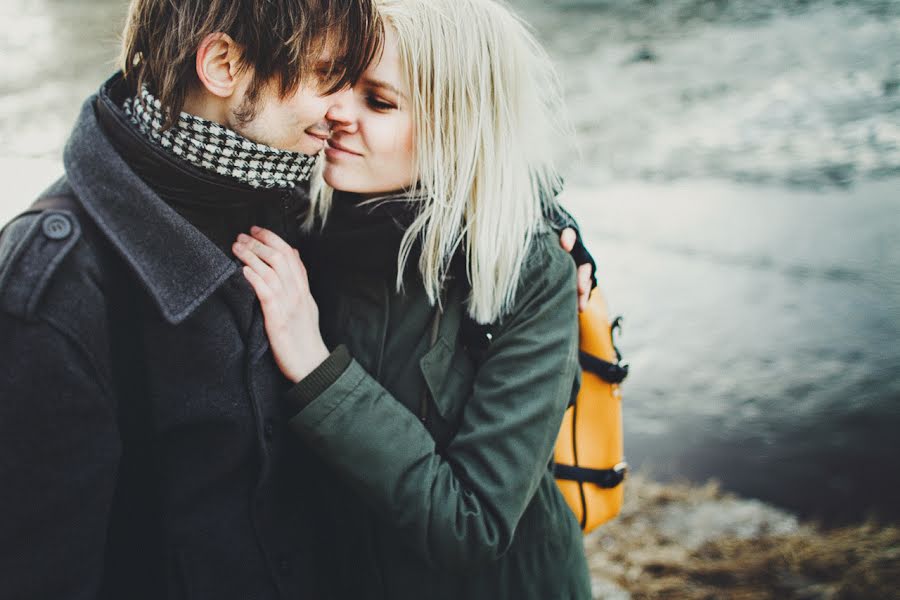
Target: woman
453	310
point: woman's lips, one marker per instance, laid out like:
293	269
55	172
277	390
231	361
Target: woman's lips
336	150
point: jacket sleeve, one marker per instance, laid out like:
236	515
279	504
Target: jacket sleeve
462	506
59	450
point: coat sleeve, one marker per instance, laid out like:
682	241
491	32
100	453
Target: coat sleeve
462	506
59	451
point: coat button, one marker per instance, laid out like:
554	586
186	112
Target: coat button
284	567
56	227
269	430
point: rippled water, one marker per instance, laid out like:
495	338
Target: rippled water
762	326
800	93
738	183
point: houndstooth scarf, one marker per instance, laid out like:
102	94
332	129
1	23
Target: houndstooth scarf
218	149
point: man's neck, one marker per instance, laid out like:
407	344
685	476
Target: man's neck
206	106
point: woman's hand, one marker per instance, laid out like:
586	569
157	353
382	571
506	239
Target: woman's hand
278	277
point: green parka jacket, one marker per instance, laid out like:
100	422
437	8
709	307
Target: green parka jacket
436	448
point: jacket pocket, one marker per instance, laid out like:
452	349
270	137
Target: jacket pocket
547	521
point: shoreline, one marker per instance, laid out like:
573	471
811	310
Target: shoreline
691	541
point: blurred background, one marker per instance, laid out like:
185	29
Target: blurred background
738	182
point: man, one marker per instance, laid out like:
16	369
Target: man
143	452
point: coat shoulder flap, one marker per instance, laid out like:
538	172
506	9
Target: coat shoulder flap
32	247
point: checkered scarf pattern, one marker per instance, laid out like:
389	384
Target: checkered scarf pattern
217	149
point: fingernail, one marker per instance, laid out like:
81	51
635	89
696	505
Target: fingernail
243	237
255	229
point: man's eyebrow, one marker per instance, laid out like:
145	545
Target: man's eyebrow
382	84
332	66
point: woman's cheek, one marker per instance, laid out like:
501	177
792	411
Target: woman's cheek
402	144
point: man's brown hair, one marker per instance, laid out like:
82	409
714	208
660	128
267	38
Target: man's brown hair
280	40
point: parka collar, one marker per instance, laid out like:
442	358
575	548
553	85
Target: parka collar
179	267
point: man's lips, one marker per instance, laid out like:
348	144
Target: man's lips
320	130
318	134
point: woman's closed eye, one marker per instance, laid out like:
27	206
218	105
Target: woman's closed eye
380	104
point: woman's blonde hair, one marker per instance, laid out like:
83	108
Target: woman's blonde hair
487	114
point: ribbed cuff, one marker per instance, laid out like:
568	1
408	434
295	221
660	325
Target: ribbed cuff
313	385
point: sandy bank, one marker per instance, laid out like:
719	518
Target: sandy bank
696	542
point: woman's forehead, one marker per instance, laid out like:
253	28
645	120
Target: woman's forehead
385	72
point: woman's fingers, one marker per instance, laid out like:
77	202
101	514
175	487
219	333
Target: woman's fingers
266	253
270	239
250	256
584	285
567	239
260	287
290	255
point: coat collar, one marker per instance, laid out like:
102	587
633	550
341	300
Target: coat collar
178	266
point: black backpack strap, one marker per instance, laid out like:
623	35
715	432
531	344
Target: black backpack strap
605	478
66	202
60	202
59	228
136	505
122	292
607	371
134	513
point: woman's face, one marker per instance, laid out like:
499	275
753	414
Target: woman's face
371	148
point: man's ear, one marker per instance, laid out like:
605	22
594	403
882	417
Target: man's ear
218	64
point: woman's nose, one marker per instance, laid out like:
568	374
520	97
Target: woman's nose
342	114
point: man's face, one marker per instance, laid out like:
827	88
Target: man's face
290	123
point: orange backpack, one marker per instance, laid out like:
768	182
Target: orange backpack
589	461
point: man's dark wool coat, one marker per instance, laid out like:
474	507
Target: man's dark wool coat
143	453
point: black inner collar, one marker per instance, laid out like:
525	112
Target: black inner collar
218	206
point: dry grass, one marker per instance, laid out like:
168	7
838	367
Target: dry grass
665	545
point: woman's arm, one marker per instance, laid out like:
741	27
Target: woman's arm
461	506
